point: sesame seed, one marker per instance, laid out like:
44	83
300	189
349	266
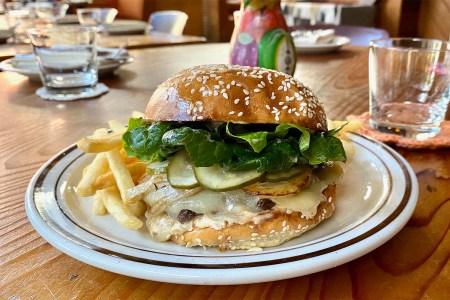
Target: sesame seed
233	82
225	95
246	92
228	86
240	114
199	117
194	118
216	86
216	93
221	82
231	112
220	237
236	101
260	86
268	106
254	234
256	90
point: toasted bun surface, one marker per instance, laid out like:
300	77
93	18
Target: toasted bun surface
271	232
226	93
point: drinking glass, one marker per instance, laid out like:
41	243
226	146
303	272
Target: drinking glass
409	82
96	16
51	11
19	20
67	58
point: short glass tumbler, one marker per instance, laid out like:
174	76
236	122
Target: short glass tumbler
67	58
409	83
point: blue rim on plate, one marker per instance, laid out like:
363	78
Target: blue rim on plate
376	199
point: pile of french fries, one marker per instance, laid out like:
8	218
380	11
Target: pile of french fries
112	177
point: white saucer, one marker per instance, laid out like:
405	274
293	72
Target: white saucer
315	48
124	27
26	65
99	89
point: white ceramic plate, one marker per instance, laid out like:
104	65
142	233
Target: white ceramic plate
374	202
30	68
315	48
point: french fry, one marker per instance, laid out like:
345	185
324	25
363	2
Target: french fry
126	159
121	175
138	209
98	207
100	144
116	126
100	132
136	170
98	167
137	114
118	210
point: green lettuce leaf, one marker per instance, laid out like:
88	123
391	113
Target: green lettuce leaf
257	140
238	146
143	142
203	150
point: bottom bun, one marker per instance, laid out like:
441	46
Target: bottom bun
282	227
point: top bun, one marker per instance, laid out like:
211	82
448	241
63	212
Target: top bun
228	93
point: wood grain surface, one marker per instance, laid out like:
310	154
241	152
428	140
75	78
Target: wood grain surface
412	265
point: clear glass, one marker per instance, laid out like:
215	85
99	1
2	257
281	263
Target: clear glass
50	11
409	83
19	20
67	58
96	16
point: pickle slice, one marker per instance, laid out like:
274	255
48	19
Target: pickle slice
180	171
218	179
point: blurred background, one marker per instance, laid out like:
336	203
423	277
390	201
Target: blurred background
214	18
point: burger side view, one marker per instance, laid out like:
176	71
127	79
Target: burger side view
239	158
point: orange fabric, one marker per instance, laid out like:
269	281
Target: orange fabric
440	141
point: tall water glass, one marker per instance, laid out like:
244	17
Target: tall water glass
67	58
409	82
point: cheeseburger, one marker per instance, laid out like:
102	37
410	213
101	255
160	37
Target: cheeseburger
239	158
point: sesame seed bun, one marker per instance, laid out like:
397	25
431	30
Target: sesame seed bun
274	231
226	93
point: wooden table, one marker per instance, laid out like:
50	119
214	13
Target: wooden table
413	265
